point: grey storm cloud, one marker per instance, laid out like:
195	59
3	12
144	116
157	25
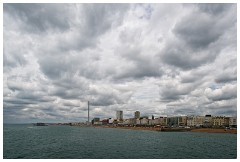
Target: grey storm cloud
40	17
197	33
139	69
159	59
214	9
106	96
173	92
228	74
181	56
225	78
198	40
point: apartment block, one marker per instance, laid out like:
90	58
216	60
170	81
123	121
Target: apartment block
208	122
233	122
172	121
119	115
138	122
160	121
137	115
182	120
144	121
195	121
220	121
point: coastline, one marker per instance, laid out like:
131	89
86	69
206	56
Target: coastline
215	130
206	130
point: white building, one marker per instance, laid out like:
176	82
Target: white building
160	121
138	121
144	121
151	122
233	121
110	121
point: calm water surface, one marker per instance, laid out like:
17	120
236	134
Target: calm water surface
55	142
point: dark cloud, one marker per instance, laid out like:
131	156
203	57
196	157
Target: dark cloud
106	96
40	17
58	66
228	73
226	78
214	8
197	33
33	97
104	101
16	101
138	63
23	100
174	91
61	68
186	58
197	41
138	71
223	106
94	22
226	112
102	17
65	93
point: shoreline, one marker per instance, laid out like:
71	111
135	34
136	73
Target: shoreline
205	130
215	130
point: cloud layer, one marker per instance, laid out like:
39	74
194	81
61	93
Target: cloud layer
159	59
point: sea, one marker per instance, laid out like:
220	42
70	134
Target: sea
25	141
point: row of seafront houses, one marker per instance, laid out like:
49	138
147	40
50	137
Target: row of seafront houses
174	121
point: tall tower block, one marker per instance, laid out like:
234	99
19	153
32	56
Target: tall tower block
88	111
119	115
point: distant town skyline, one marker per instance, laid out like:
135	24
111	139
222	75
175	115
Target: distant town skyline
159	59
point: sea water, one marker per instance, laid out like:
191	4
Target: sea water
72	142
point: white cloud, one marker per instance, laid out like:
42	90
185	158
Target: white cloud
226	92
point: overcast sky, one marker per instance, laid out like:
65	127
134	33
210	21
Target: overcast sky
159	59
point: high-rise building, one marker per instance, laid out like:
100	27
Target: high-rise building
137	115
119	115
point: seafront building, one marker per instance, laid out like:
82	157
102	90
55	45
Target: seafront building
144	121
172	121
158	121
220	121
206	121
195	121
233	121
